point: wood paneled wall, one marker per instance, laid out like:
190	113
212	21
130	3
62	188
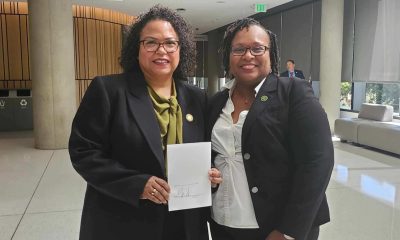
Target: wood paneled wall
14	46
97	40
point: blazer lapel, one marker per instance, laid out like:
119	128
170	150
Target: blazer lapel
184	103
263	99
142	109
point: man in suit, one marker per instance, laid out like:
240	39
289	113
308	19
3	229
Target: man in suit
291	72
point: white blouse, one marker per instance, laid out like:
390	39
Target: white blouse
232	205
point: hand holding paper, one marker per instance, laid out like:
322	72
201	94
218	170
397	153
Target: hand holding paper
188	166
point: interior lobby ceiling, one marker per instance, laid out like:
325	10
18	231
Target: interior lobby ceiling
203	15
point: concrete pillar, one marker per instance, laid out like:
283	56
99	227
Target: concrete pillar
331	57
214	42
52	71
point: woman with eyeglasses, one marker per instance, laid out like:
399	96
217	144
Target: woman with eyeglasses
123	126
272	143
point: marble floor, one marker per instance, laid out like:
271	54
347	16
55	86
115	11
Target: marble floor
41	196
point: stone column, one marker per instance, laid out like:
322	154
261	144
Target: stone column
52	71
213	62
331	57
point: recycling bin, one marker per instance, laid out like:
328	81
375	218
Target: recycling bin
6	112
16	111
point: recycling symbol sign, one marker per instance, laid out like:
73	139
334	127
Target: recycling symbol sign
23	103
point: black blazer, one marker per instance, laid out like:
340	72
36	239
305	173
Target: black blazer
297	73
115	146
288	155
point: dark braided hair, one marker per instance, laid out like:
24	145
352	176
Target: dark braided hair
130	50
230	33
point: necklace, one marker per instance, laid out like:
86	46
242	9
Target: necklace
243	99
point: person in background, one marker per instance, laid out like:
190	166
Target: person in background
123	126
272	143
291	72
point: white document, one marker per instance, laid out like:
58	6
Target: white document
187	169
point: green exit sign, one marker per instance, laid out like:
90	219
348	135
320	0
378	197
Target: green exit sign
260	8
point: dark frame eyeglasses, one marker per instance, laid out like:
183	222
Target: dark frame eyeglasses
255	51
169	46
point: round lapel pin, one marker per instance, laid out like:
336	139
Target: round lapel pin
189	117
264	98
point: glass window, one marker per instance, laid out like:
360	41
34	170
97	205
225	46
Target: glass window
356	93
383	93
345	95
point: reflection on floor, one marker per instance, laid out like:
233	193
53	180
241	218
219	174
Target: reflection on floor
41	196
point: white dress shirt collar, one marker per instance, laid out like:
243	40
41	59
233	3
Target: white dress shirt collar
232	83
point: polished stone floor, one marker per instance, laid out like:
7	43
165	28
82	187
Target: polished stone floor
41	196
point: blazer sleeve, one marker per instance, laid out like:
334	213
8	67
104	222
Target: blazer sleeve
301	75
311	151
89	148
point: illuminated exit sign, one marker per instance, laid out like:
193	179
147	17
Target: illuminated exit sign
260	8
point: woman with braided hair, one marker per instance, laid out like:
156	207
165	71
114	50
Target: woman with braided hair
272	143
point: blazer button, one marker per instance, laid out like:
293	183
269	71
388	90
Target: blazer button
246	156
254	190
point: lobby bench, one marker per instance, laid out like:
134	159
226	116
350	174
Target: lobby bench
374	127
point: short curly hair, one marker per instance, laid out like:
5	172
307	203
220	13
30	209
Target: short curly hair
230	33
130	49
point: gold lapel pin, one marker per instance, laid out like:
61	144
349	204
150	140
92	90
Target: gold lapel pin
264	98
189	117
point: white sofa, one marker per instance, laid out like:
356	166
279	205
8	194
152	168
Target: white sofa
374	127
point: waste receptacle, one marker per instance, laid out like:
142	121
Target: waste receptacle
16	110
23	115
6	111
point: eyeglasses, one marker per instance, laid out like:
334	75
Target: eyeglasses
170	46
255	51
